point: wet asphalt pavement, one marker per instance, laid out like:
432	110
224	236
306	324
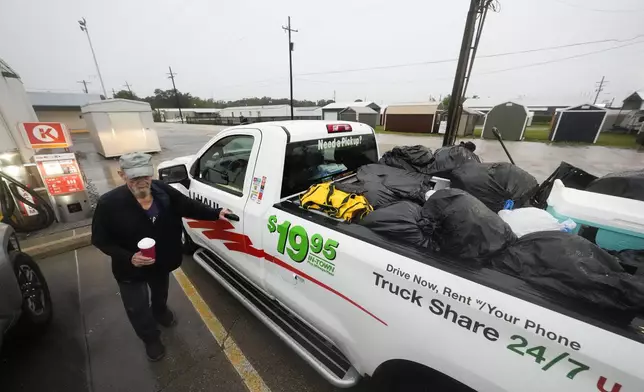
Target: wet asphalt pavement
91	347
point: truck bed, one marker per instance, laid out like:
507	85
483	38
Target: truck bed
627	325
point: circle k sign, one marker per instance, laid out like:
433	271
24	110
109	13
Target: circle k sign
46	135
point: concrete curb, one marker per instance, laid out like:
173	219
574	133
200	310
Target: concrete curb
56	247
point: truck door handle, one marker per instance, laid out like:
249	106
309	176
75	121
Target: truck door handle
232	217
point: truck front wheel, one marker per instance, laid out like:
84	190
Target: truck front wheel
187	245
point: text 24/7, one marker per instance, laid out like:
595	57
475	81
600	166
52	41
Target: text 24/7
539	352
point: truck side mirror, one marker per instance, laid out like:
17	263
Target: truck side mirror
175	175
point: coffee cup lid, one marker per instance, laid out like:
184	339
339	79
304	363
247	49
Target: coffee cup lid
146	243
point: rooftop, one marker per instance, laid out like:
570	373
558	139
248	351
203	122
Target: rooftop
344	105
361	109
70	100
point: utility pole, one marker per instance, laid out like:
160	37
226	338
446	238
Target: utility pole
290	58
333	95
176	94
113	94
85	82
600	88
83	26
473	26
128	86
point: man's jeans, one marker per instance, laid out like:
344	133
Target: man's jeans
143	307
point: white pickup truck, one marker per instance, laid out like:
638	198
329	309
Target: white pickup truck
353	304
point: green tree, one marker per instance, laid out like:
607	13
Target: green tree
126	94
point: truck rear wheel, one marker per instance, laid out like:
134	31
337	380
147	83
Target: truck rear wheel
404	376
37	310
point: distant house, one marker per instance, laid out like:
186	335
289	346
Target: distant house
62	107
331	111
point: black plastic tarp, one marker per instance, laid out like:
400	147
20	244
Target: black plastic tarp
462	226
401	222
574	267
495	183
628	184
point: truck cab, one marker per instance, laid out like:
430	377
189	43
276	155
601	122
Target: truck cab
353	304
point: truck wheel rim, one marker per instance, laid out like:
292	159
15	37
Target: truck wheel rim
32	290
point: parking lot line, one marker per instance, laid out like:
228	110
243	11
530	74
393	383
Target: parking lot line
236	357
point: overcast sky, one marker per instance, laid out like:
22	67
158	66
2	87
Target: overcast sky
235	49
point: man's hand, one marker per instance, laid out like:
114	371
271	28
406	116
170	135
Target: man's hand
138	260
224	211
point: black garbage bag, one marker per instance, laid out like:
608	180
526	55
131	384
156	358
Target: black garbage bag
494	183
447	159
400	221
573	267
632	260
571	176
411	158
383	185
628	184
460	225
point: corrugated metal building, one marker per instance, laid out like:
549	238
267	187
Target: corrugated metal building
364	115
332	110
234	115
412	117
62	107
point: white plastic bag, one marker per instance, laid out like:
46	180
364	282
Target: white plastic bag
529	220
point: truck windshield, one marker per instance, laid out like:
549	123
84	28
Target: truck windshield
314	161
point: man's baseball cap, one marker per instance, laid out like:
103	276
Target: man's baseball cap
136	164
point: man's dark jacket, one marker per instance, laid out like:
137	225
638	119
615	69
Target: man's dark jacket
120	223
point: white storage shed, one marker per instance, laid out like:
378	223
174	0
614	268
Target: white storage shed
121	126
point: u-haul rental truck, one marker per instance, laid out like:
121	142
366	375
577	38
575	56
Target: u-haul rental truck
353	304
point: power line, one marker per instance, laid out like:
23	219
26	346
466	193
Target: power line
596	9
290	30
525	51
176	94
600	88
560	59
85	83
488	72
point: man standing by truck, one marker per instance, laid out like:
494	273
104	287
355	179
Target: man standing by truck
144	208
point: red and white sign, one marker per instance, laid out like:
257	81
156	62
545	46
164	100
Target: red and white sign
46	135
60	173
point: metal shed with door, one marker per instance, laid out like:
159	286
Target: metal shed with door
331	111
509	118
578	124
121	126
469	119
364	115
415	117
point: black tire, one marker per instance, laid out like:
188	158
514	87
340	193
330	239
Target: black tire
187	245
411	377
37	309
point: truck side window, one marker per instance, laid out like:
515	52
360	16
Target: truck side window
224	164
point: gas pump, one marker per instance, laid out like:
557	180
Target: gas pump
65	186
